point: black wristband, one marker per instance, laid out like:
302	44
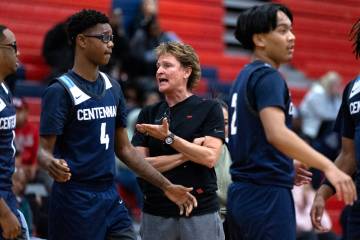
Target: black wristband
328	183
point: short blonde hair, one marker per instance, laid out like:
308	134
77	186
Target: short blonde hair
187	57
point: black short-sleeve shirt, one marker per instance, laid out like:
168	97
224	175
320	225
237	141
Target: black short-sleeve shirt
192	118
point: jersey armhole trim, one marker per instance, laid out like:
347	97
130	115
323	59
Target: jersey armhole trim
76	94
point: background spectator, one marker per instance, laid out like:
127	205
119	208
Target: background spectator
148	9
26	139
142	47
56	51
318	111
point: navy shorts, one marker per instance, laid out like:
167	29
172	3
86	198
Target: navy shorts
260	212
76	213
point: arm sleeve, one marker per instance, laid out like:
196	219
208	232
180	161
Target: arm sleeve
269	91
344	123
55	107
214	125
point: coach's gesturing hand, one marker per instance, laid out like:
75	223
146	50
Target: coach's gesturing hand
155	130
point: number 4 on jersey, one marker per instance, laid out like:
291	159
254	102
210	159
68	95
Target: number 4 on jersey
104	138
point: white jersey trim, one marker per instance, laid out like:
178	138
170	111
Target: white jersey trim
5	88
77	95
107	80
2	105
356	88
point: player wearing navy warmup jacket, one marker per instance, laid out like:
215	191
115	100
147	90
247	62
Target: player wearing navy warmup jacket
262	146
347	124
82	126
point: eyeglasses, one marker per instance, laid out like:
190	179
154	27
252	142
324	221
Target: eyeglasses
12	45
105	38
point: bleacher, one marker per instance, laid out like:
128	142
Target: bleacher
30	20
321	30
199	23
322	40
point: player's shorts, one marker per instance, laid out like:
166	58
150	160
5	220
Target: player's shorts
260	212
78	213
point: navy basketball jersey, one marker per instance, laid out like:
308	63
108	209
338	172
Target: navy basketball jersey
255	160
7	135
347	124
87	141
348	119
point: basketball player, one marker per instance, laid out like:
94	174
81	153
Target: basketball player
262	146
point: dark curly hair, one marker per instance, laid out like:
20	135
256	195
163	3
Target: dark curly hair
258	19
355	37
83	20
